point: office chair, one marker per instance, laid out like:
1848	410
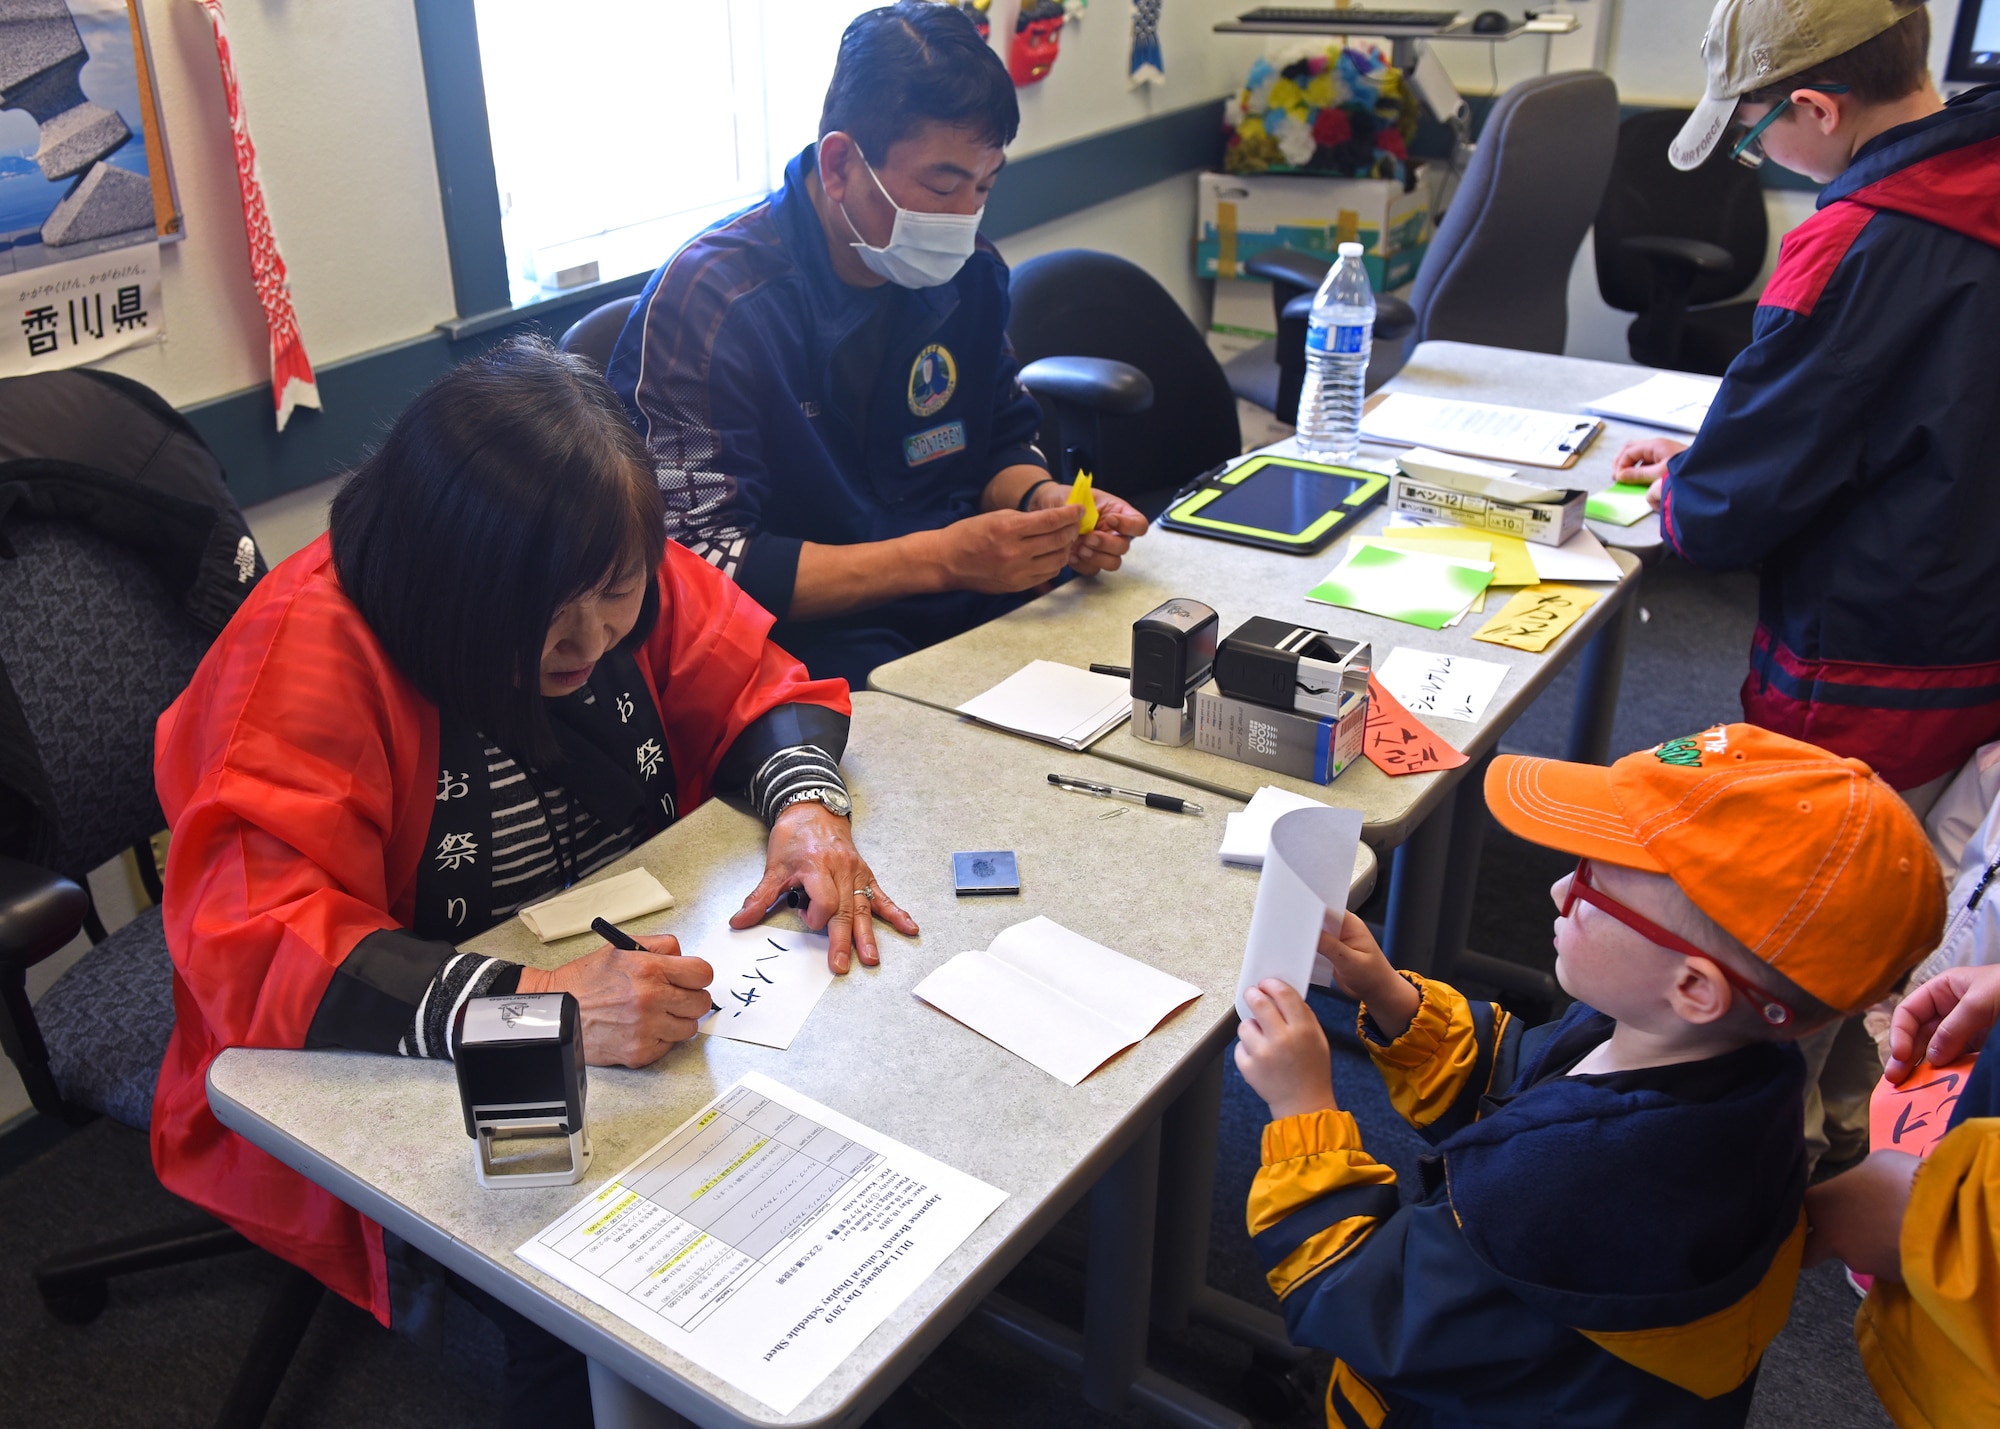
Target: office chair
1100	341
1497	271
1673	247
95	648
595	333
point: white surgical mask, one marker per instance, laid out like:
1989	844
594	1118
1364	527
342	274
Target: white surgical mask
925	250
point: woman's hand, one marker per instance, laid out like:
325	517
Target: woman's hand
813	848
1857	1216
1363	972
1943	1019
635	1005
1283	1053
1119	524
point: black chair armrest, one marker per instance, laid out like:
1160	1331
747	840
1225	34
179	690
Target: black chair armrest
40	912
1394	318
1698	256
1096	384
1288	266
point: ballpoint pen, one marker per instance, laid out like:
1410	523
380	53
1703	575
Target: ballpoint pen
1138	796
625	942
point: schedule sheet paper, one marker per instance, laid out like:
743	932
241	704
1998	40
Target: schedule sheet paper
765	1238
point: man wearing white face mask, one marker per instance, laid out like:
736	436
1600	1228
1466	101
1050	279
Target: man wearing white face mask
824	380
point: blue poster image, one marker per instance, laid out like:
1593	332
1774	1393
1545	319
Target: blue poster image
75	179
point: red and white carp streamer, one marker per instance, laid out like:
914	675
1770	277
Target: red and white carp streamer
292	383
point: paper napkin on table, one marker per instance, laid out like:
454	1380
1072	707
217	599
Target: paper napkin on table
629	895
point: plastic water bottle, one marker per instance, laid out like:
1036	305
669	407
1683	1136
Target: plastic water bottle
1339	338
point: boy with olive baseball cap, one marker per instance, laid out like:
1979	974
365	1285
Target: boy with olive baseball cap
1609	1228
1849	453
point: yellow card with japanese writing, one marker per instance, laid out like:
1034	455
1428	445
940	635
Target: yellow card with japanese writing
1536	616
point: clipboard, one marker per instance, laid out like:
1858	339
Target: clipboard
1521	436
1281	503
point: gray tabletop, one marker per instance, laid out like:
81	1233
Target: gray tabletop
1472	373
385	1135
1090	620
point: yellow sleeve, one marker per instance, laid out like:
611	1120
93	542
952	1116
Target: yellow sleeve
1437	1071
1931	1344
1316	1197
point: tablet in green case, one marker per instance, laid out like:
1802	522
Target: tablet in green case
1282	503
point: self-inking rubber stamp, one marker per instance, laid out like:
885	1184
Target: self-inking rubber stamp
520	1074
1173	649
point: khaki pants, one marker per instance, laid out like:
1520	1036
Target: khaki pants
1842	1068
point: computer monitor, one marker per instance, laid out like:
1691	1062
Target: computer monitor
1975	44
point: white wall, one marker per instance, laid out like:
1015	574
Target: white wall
335	100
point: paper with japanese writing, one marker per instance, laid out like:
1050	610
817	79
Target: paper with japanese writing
1413	586
1536	616
767	982
1912	1117
1397	742
765	1238
1307	873
1429	684
1055	998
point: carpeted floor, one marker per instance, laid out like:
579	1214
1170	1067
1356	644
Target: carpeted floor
165	1351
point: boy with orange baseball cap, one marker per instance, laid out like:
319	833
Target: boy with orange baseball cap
1609	1229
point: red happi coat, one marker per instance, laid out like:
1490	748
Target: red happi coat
298	772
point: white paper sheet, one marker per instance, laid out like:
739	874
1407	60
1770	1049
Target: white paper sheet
1581	558
1055	998
767	982
765	1238
1509	434
1057	703
1308	871
1666	399
1428	683
632	894
1247	836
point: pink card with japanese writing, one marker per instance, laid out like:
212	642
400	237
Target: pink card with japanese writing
1397	742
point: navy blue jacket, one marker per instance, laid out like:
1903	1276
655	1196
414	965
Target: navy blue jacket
1602	1250
734	364
1854	453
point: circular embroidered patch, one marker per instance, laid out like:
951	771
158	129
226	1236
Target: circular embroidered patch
933	378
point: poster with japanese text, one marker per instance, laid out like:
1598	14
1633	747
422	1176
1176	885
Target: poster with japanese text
86	193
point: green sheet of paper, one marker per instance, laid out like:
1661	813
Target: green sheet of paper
1621	504
1413	586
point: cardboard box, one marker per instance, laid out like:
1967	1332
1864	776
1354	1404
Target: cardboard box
1238	215
1547	523
1312	747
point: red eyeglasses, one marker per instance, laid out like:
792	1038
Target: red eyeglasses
1581	890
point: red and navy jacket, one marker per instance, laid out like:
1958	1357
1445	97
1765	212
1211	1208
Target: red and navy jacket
1601	1251
782	405
1853	453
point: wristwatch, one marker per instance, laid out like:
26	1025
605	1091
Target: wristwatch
835	800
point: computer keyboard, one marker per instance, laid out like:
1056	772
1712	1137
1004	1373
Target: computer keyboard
1344	20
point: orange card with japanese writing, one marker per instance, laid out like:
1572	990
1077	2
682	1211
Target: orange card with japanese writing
1397	742
1912	1117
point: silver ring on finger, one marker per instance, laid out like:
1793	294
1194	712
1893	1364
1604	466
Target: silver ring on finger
865	892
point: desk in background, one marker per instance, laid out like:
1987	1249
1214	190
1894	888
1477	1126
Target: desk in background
386	1135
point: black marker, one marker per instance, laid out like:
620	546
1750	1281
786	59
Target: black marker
625	942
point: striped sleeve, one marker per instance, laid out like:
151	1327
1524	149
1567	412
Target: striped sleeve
1437	1071
1316	1197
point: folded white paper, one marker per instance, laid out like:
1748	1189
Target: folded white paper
767	982
1666	399
1307	872
1247	835
1426	682
1057	703
1581	558
1055	998
629	895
